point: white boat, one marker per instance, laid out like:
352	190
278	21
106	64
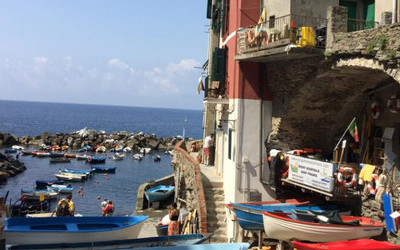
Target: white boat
70	177
17	147
283	227
62	189
145	150
118	156
49	230
127	149
138	157
82	157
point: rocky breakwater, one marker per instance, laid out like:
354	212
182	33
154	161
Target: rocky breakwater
85	137
9	166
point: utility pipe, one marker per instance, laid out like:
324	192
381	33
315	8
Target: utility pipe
394	12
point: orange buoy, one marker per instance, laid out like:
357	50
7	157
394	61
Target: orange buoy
97	181
81	194
98	197
79	191
81	188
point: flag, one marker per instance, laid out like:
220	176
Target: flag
353	130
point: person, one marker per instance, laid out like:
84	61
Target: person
208	142
173	228
65	207
109	210
103	206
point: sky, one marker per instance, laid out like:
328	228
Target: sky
141	53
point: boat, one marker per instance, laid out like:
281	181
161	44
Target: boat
96	160
42	184
118	156
157	158
60	230
82	157
70	177
62	189
60	160
41	153
70	155
363	244
159	193
56	155
175	240
101	149
76	171
17	147
138	157
127	149
103	169
27	152
288	226
24	207
145	151
10	150
249	215
35	195
83	149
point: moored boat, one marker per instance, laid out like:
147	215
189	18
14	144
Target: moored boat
62	189
68	155
60	160
118	157
50	230
35	195
286	227
56	155
145	150
96	160
138	157
103	169
363	244
249	215
42	184
76	171
159	193
23	207
17	147
10	150
26	152
41	153
175	240
70	177
82	157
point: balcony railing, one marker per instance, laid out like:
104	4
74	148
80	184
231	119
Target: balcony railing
281	31
357	24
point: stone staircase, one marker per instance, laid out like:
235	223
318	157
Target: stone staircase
215	203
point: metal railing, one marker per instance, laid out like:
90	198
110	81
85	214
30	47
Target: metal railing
279	32
358	24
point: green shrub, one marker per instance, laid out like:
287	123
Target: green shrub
392	54
371	47
382	42
328	53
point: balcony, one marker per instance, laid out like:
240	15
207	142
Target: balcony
271	40
359	24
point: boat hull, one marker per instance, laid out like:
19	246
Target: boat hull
285	229
365	244
71	229
159	193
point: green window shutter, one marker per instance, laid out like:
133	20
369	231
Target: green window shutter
209	5
219	66
222	17
216	22
206	87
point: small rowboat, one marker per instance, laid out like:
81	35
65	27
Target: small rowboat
62	189
96	160
10	150
138	157
58	230
27	152
42	184
76	171
70	177
60	160
103	169
82	157
159	193
17	147
70	155
286	226
153	242
35	195
56	155
118	157
41	154
364	244
249	215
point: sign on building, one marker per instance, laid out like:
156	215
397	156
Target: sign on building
310	172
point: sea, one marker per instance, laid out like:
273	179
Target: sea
22	118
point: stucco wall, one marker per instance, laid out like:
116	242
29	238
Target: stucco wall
382	6
315	8
277	8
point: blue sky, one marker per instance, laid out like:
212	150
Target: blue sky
118	52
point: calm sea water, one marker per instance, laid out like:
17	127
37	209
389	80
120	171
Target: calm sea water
33	118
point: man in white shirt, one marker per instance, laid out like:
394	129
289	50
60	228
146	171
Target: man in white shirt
208	141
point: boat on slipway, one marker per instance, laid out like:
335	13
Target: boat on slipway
175	240
333	227
363	244
159	193
49	230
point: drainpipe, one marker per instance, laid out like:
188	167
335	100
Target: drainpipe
260	89
394	12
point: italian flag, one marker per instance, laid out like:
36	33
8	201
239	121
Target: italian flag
353	130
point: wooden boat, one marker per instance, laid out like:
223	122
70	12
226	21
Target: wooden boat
364	244
159	193
10	150
42	184
175	240
70	177
249	215
70	155
96	160
60	160
50	230
138	157
286	226
103	169
82	157
35	195
41	153
62	189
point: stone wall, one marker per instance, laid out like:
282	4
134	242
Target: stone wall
190	185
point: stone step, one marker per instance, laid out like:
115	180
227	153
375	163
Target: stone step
214	191
216	224
217	197
213	209
212	184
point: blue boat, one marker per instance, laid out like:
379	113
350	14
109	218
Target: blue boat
42	184
96	160
213	246
59	230
76	171
103	169
61	189
176	240
159	193
250	217
10	150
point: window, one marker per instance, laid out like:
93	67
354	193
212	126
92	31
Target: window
271	22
